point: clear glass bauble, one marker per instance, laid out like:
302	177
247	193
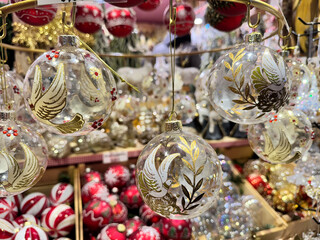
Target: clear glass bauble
69	90
178	174
284	138
127	108
248	82
185	107
23	156
154	85
205	227
9	90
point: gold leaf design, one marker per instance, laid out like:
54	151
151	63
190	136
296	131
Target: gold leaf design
187	164
184	142
228	78
227	65
193	145
184	148
237	70
196	153
231	55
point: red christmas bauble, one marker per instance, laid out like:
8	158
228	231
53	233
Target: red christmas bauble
94	190
175	229
34	204
97	214
30	233
149	5
260	184
184	18
89	17
229	9
133	224
7	230
223	23
125	4
61	193
119	211
120	22
20	221
117	176
38	16
92	176
113	231
145	233
130	196
59	220
148	215
8	208
18	199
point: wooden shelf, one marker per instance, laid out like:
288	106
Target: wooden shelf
226	142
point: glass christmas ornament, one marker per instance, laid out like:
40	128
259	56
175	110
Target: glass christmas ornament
284	138
68	90
249	82
120	21
178	174
205	227
89	17
154	85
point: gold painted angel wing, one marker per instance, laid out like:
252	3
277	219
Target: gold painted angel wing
152	178
281	151
36	92
89	92
29	172
53	100
275	73
258	81
11	166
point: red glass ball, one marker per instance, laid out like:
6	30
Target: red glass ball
120	22
89	18
149	5
125	4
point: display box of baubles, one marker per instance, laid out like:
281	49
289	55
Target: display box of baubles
287	192
49	210
111	207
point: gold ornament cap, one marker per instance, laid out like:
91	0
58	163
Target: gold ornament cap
284	53
175	125
68	40
254	37
7	116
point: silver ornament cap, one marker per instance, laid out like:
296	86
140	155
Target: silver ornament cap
68	40
174	125
254	37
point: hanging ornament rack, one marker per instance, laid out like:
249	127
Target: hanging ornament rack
11	8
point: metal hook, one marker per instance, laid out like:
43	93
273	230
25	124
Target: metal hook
284	36
249	19
3	61
73	17
3	28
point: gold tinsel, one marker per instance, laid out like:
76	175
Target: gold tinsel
46	36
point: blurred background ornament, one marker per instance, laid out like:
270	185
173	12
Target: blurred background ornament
284	138
89	17
77	88
205	227
120	22
149	5
58	146
249	82
228	8
125	4
191	174
99	140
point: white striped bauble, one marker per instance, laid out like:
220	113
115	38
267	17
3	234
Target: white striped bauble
59	220
25	219
8	208
30	232
18	199
34	204
6	229
61	193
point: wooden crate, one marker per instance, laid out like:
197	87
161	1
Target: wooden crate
50	178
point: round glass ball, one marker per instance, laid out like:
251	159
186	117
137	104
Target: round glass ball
68	90
248	82
24	156
284	138
178	174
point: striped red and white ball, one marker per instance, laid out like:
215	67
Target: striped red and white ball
131	197
97	214
94	190
124	4
113	231
25	219
184	18
149	5
8	208
34	204
18	199
145	233
133	224
175	229
117	176
7	230
89	17
38	16
30	232
119	211
148	216
120	22
61	193
91	175
59	220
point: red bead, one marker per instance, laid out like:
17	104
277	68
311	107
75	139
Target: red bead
9	128
5	131
15	134
8	134
56	56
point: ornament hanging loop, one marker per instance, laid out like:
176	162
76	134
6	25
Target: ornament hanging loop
280	26
3	28
249	19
